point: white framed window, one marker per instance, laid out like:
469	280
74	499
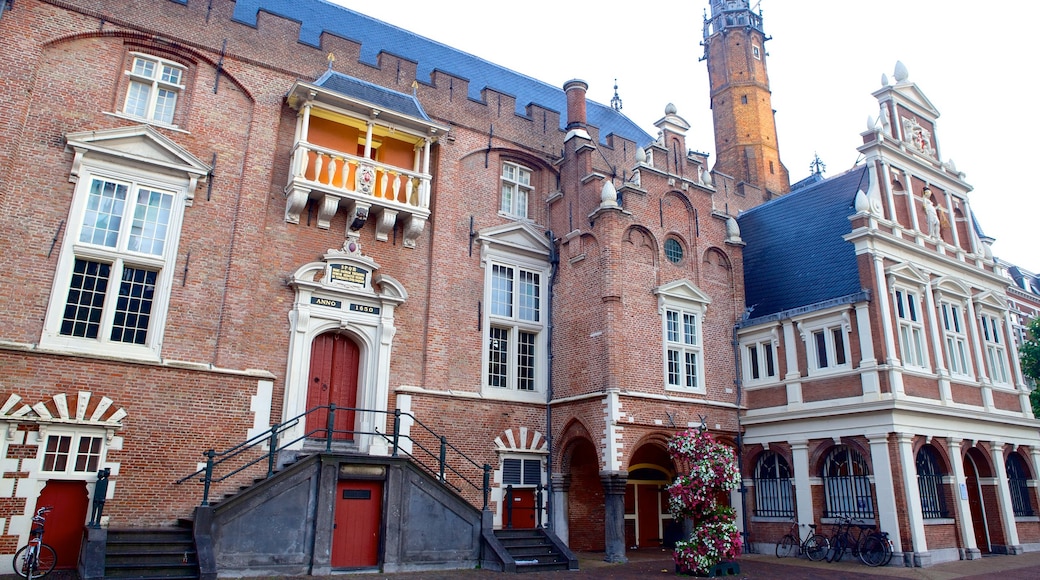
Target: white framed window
516	189
955	341
514	355
996	353
154	87
907	306
682	306
760	359
826	340
115	270
72	453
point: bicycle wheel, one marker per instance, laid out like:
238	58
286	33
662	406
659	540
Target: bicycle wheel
39	566
46	560
886	543
872	551
787	546
837	550
816	547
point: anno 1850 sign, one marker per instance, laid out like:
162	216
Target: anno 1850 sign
349	274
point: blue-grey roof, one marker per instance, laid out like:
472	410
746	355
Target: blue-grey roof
372	93
375	36
795	255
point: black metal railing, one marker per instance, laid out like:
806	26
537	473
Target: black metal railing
848	496
933	497
449	464
773	498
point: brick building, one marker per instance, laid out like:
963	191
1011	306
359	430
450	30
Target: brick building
433	299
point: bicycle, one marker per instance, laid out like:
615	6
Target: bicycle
875	549
843	539
814	546
36	559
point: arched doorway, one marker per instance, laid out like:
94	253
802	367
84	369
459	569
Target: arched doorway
333	379
585	511
646	499
972	473
65	523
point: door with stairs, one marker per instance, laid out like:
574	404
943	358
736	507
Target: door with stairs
333	379
533	551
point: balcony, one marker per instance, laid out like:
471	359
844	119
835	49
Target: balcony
364	150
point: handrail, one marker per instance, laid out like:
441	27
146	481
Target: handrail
234	460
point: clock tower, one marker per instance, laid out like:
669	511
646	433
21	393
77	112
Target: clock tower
745	131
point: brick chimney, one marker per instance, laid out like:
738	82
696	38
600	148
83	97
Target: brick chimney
575	90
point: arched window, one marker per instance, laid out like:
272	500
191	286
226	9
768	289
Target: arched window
846	485
1018	477
929	482
773	496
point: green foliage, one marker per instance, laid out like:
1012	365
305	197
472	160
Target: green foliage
1029	356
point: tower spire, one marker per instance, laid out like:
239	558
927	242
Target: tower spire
746	146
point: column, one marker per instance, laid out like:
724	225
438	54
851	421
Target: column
913	499
888	520
561	485
868	363
1007	509
945	393
965	525
794	386
614	515
802	486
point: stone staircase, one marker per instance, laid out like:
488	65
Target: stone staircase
143	554
534	551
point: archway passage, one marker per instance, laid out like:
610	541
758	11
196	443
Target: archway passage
585	510
333	380
64	526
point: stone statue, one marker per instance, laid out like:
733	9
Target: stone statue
931	215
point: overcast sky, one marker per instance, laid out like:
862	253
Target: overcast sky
974	61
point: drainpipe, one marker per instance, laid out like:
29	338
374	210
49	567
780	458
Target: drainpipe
554	263
738	382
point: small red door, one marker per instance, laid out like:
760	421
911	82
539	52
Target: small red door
64	526
359	511
333	380
978	509
523	508
649	515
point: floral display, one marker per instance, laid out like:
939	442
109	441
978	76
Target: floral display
707	469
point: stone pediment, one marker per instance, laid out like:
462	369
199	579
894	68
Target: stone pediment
515	237
138	145
683	290
907	272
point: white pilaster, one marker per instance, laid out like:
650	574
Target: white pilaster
888	520
802	486
965	524
913	493
1007	509
794	386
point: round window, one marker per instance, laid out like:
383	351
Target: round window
673	250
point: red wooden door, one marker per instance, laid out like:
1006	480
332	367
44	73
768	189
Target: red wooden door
64	527
648	515
359	510
333	380
978	510
523	508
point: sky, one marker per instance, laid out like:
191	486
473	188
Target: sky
825	58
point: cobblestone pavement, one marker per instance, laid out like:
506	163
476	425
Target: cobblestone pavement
657	564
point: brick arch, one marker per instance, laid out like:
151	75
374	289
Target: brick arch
521	440
940	450
823	449
642	245
658	440
80	409
178	52
573	433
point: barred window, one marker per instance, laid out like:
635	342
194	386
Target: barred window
846	484
930	483
1018	481
773	492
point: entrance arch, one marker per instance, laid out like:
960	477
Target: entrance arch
973	471
333	380
647	521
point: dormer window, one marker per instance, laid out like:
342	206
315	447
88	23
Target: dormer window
155	84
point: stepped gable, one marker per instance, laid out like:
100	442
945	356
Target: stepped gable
795	254
317	17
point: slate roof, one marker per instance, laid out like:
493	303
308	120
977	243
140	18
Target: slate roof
372	93
375	36
795	255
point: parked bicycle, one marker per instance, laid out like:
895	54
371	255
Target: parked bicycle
36	559
815	546
873	548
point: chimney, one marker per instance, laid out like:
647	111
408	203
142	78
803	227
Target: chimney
575	90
